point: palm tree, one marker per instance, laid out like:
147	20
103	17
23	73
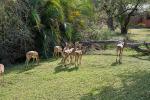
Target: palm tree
70	13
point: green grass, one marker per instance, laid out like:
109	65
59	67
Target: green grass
142	34
98	78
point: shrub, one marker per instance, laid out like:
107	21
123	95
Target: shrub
103	34
15	37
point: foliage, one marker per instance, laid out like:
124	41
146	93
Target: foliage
119	10
15	36
95	32
39	25
103	34
64	13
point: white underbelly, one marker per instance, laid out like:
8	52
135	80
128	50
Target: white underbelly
120	45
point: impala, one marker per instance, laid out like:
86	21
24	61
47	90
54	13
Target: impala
120	47
32	55
2	70
57	51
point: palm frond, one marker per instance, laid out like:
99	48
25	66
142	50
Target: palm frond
36	18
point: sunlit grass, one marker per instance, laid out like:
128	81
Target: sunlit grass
98	78
142	34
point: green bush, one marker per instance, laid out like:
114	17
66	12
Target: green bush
103	34
77	36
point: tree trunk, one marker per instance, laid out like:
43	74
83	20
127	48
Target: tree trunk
124	29
110	23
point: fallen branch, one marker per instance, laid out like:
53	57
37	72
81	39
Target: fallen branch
114	41
133	45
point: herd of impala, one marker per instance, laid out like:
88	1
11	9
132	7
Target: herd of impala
71	53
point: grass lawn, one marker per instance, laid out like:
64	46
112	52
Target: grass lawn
142	34
98	78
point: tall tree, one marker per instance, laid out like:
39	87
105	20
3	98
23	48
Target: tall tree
126	8
109	7
122	10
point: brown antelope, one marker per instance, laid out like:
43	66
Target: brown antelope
2	70
120	47
71	54
57	51
67	51
63	54
78	54
32	55
68	54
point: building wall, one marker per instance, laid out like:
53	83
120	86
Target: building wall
146	22
136	20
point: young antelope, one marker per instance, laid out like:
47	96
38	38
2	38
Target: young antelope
120	47
32	55
57	51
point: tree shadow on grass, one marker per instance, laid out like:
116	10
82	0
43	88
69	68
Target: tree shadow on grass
134	86
148	58
68	68
49	60
30	67
21	67
140	56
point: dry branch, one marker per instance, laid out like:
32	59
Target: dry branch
133	45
